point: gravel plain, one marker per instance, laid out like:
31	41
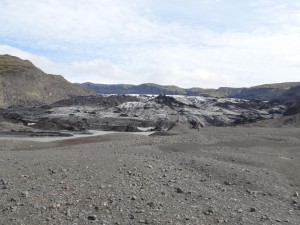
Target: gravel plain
230	175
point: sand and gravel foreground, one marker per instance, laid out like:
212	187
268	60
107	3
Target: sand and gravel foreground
227	175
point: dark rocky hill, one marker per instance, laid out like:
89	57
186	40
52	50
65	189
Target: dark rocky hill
284	93
269	92
21	83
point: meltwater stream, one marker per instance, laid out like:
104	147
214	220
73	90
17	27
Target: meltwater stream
89	133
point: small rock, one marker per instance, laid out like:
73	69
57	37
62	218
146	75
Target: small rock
13	208
68	212
3	182
92	217
151	204
251	192
294	202
227	183
25	194
209	212
149	166
13	200
179	190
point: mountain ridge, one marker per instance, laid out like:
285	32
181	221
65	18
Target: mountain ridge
152	88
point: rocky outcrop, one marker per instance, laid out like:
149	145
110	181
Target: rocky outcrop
21	83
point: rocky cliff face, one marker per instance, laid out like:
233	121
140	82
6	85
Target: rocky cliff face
21	83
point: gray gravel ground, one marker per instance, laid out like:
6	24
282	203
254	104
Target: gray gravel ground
227	175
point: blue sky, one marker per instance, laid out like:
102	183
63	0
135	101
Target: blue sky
189	43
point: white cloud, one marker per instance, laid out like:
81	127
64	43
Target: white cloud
98	71
186	43
76	22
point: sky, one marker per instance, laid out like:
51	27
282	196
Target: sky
188	43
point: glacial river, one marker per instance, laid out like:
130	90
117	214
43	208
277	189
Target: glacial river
89	133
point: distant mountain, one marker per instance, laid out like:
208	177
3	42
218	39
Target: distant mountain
267	92
22	83
134	89
279	91
156	89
